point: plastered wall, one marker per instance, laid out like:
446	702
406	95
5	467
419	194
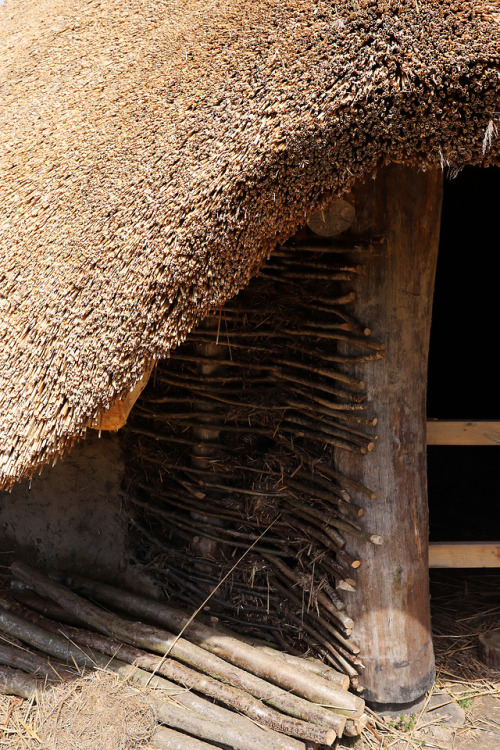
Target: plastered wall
73	517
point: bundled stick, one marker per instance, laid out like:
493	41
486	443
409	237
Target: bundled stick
14	682
247	679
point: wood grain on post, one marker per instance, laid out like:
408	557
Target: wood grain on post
391	603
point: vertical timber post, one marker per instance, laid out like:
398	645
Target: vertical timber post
391	606
206	436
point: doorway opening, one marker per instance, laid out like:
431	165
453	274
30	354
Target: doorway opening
464	484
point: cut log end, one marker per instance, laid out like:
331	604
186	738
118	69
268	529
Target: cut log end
489	649
344	586
354	727
330	737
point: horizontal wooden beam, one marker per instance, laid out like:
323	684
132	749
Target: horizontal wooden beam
464	555
455	432
116	416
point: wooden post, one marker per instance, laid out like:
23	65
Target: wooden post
391	605
207	437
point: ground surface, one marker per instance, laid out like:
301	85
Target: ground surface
465	700
96	712
478	728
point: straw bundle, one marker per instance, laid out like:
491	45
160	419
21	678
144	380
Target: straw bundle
153	155
265	699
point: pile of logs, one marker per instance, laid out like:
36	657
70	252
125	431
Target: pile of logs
235	441
241	694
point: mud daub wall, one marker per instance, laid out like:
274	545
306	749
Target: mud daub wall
73	515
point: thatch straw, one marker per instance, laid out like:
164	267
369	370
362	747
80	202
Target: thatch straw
153	155
97	710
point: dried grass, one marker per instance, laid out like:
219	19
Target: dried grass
95	711
464	605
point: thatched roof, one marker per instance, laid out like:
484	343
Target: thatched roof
153	153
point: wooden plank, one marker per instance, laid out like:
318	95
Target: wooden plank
464	555
456	432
